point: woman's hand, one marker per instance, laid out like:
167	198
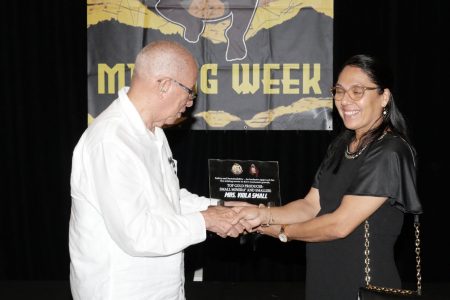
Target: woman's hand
253	216
272	230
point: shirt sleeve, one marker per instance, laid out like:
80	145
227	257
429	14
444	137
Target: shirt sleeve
191	202
389	171
137	214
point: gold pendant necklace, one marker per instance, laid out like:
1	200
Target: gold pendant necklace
353	155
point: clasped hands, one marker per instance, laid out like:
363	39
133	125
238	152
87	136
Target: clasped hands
237	218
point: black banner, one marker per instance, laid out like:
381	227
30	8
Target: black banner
263	65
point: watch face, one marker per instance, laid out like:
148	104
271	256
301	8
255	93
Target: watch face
283	237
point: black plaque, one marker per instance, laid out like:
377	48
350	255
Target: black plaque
251	181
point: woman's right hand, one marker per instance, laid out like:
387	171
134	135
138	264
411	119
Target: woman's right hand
254	216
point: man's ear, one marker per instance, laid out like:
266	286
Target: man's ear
164	85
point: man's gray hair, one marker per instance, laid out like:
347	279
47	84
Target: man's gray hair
163	58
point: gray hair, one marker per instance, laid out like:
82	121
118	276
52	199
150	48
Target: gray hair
163	58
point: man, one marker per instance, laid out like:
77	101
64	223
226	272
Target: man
130	221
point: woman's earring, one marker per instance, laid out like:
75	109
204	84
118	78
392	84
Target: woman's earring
384	112
162	90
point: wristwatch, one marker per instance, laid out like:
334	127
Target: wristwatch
282	235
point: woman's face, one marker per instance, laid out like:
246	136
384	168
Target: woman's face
364	113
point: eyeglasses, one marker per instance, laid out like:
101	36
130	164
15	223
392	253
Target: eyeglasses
355	92
191	92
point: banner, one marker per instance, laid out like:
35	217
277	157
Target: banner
263	65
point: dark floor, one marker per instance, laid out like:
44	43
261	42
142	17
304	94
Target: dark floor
60	290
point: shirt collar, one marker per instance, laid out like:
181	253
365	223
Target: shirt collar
134	117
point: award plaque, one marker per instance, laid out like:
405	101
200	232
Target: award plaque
250	181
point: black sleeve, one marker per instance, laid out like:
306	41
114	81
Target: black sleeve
389	170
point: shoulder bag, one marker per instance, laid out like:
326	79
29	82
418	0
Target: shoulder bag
373	292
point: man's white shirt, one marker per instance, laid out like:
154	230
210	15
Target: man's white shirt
130	221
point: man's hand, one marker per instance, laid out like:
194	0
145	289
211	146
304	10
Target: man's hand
218	219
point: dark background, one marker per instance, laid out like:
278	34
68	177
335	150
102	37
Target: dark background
43	114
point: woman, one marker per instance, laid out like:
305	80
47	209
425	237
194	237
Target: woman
368	174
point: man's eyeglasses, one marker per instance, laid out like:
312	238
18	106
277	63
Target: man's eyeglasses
191	92
355	92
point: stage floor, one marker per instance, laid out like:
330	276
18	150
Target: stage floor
60	290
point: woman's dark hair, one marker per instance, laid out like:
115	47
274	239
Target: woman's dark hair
382	77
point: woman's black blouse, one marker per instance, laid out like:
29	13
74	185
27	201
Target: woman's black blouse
335	269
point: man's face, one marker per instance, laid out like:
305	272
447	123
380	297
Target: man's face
182	96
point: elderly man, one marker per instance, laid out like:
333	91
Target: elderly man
130	220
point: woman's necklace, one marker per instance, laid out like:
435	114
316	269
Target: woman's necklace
353	155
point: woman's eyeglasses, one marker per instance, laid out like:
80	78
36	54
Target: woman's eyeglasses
355	92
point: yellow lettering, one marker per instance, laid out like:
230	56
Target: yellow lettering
208	86
311	82
245	78
245	87
103	69
288	82
267	81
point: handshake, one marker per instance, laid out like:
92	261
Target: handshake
234	218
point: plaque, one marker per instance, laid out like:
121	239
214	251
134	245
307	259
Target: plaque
251	181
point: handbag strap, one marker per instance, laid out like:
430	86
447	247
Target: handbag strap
417	251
